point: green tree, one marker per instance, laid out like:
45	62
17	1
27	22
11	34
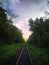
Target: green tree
9	34
40	29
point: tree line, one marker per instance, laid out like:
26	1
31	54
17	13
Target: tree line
40	32
9	34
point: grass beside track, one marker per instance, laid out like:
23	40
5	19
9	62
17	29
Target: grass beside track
7	51
39	54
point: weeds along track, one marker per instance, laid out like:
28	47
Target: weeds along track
21	58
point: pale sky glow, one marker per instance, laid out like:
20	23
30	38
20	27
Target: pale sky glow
25	29
23	10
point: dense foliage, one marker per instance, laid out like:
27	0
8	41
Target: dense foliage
40	32
8	32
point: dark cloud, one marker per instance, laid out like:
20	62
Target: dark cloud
46	12
33	1
48	2
29	7
10	6
12	14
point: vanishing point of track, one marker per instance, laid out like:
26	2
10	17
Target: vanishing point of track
24	57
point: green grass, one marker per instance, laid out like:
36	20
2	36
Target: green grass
7	51
39	54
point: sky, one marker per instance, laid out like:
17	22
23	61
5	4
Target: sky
20	11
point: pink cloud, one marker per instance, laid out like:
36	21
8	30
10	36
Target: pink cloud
24	27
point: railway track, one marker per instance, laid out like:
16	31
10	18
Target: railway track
24	57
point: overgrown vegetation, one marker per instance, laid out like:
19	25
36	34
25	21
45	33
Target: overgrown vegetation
11	39
8	51
9	34
39	40
40	55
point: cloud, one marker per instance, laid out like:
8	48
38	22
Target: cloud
22	10
10	6
14	7
33	1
